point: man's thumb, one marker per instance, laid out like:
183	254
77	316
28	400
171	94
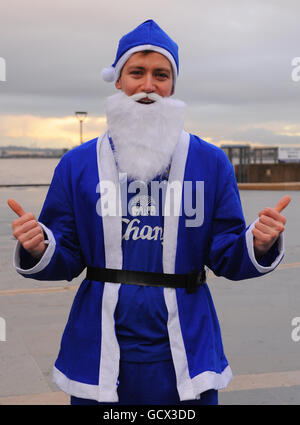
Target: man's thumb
16	207
283	203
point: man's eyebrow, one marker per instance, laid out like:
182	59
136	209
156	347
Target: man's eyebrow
166	70
135	67
142	68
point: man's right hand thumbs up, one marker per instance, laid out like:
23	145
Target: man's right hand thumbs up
27	230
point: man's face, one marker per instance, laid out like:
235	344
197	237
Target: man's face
149	73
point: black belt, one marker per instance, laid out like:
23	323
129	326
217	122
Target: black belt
189	281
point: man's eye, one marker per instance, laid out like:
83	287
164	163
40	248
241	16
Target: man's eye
137	72
162	75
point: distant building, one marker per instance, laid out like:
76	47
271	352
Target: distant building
289	154
264	164
23	152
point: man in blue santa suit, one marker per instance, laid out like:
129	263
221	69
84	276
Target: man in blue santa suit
145	208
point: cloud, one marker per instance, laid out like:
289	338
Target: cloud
235	58
265	136
50	132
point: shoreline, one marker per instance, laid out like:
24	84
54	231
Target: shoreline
241	186
270	186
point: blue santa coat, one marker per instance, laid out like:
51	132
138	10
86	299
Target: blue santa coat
80	234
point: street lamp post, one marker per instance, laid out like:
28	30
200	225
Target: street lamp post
81	117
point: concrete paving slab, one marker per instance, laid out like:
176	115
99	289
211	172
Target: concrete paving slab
264	380
50	398
271	396
19	372
255	317
37	321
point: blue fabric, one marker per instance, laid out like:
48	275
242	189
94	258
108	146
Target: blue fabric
69	211
150	383
141	324
147	33
141	314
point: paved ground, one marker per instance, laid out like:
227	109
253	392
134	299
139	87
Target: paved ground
255	316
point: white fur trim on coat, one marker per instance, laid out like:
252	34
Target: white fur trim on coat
250	248
44	261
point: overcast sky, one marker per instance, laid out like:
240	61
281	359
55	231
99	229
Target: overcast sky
235	66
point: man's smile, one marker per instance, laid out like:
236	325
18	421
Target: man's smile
146	101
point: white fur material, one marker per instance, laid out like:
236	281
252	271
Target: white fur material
123	59
112	73
250	248
44	261
108	74
112	232
184	383
144	136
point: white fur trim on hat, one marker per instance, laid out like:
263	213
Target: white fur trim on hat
112	74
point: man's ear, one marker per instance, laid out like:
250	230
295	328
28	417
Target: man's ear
118	84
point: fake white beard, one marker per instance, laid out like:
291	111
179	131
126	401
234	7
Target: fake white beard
144	135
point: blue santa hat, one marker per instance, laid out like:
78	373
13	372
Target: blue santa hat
147	36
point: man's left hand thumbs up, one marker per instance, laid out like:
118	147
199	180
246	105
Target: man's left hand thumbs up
27	230
269	226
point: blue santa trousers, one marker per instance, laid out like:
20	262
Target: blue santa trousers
149	383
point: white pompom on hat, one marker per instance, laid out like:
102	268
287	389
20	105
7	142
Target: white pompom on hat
147	36
108	74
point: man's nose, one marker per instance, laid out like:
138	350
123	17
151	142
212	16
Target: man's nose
148	84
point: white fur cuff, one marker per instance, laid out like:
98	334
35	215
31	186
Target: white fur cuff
250	247
44	261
